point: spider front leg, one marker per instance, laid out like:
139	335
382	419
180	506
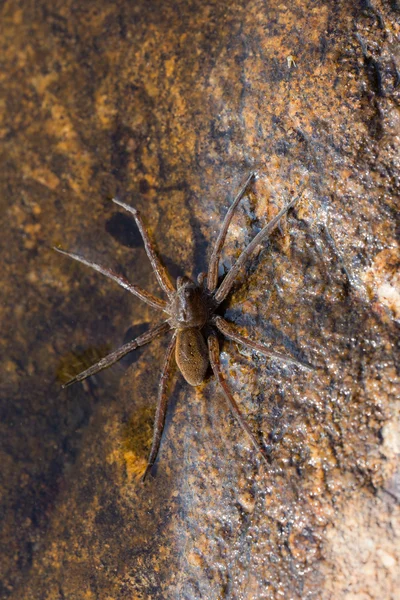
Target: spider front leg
160	272
133	289
161	410
212	276
231	332
213	347
230	277
115	356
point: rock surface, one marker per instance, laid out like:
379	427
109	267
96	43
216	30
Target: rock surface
169	105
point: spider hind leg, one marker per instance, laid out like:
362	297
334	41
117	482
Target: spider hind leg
216	367
115	356
161	409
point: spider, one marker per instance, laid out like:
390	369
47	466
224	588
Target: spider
192	319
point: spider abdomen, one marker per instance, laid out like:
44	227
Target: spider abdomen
191	355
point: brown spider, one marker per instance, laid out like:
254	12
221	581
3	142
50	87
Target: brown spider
191	314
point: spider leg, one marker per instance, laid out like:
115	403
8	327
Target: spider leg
230	277
231	332
115	356
201	277
134	289
161	410
212	276
159	271
213	347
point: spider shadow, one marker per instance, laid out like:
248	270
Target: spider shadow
124	230
268	332
133	332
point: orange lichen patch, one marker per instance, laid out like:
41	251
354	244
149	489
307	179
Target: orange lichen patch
195	560
106	110
383	279
43	176
135	465
169	66
136	442
73	362
42	82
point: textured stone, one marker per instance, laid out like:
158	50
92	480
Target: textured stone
170	105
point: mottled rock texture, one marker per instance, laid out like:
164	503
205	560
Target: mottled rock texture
170	104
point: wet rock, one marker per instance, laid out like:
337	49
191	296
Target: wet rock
169	106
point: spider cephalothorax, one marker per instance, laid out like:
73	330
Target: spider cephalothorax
191	316
190	306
